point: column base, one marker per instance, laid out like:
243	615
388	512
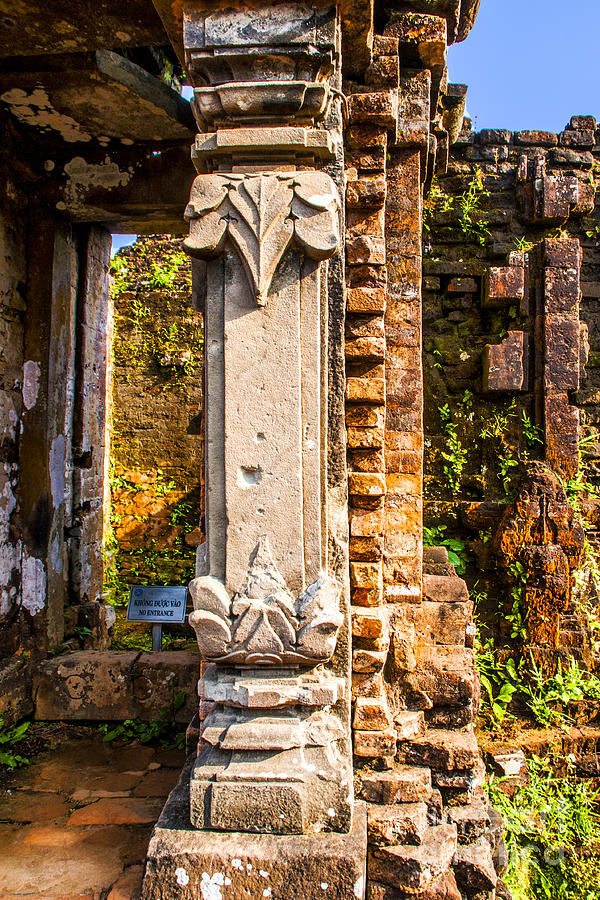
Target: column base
183	863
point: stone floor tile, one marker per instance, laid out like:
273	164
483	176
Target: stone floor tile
27	806
129	885
117	811
157	784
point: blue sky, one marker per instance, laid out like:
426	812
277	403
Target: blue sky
530	64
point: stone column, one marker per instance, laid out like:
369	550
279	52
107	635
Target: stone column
271	600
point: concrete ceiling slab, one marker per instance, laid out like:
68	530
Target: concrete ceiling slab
93	97
34	27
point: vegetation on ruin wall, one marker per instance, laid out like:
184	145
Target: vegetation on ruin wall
476	446
552	832
156	458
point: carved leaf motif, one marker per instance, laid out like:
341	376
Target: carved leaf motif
264	625
263	215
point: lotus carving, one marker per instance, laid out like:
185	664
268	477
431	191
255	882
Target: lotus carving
263	624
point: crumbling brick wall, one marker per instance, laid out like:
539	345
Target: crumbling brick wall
511	342
157	479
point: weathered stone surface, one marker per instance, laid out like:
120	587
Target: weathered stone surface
405	823
504	285
15	690
444	589
415	869
402	784
375	743
183	862
114	686
471	820
506	365
446	750
374	108
443	888
117	811
474	868
366	193
371	714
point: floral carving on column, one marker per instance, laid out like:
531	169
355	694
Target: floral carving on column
263	215
264	625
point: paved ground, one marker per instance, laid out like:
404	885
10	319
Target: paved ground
76	822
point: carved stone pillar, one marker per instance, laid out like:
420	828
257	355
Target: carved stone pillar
271	600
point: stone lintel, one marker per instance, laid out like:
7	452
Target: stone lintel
184	862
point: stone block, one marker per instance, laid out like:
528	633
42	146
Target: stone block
365	300
371	714
365	249
474	867
445	750
443	888
365	348
536	138
374	108
445	623
561	290
580	138
366	575
184	863
463	285
409	723
365	438
365	390
427	34
384	71
366	192
367	160
471	820
415	869
368	660
503	286
369	484
442	589
368	623
113	686
369	222
404	823
562	434
367	684
368	136
494	137
375	744
562	353
367	277
583	123
366	460
366	549
365	416
506	365
402	784
446	675
563	253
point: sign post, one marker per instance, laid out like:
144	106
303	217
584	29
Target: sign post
156	604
